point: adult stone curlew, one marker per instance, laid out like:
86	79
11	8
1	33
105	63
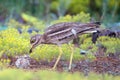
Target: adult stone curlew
63	33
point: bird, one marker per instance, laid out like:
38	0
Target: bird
63	33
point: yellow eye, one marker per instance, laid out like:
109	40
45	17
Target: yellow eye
32	40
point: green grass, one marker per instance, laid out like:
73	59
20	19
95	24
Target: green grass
16	74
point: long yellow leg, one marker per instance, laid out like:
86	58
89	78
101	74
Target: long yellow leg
60	54
71	57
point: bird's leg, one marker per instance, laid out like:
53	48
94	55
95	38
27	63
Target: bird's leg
61	52
71	57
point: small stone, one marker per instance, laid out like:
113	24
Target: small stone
83	52
22	62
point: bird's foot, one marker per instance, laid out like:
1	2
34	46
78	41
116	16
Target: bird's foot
52	69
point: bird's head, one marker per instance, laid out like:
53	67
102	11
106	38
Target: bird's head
35	41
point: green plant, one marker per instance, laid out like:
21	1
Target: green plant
87	45
13	43
30	22
81	17
78	5
50	52
57	6
35	22
112	44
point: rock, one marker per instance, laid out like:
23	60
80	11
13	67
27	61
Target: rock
83	52
23	62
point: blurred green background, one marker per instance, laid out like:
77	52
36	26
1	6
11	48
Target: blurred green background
106	11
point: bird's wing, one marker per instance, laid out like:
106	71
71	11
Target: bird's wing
68	31
59	26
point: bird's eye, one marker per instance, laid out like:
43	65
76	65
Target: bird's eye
32	40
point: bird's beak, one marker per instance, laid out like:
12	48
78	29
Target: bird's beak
31	49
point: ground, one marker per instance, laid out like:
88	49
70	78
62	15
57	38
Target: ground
109	64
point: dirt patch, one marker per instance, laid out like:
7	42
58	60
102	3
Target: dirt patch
109	64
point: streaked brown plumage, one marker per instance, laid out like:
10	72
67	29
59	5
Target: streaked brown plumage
62	33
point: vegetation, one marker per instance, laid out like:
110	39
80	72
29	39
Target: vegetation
13	43
41	75
104	10
112	44
20	19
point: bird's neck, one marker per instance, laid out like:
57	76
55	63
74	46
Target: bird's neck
43	38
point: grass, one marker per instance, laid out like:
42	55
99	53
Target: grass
17	74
